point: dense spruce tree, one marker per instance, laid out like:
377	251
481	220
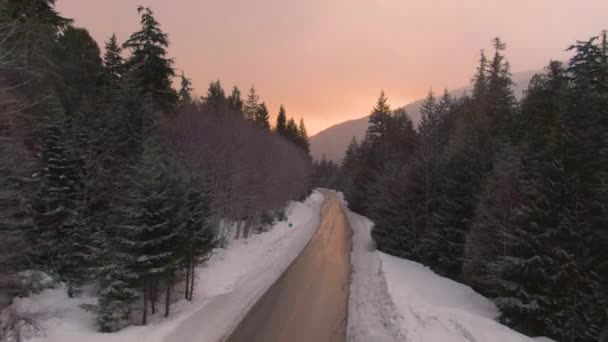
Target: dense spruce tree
495	215
116	296
60	232
281	126
252	104
234	100
113	60
148	62
426	170
145	227
196	234
80	70
262	116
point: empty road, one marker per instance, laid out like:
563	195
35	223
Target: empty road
309	302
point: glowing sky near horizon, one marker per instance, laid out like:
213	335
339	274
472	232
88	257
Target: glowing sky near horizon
327	60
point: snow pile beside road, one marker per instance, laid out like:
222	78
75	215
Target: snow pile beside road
437	309
394	299
372	315
228	285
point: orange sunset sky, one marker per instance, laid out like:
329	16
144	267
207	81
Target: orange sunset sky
326	60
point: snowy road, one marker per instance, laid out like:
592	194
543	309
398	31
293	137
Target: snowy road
309	302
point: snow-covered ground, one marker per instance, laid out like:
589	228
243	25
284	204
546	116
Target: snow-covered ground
394	299
228	285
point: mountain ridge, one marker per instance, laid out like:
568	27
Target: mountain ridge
333	141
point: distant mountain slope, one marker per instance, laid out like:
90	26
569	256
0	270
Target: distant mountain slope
332	142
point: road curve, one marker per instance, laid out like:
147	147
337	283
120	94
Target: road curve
309	302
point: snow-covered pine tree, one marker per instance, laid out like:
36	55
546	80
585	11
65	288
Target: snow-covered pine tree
543	285
196	233
116	296
57	206
443	244
146	228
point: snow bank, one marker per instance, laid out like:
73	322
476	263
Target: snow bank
228	285
394	299
437	309
372	315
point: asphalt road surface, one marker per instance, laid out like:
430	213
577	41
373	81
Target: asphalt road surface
309	302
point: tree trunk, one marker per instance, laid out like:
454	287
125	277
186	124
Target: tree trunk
191	280
153	294
145	312
168	296
187	276
238	231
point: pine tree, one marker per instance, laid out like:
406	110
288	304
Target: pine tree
459	181
281	126
501	101
185	92
379	118
303	137
251	105
291	131
61	232
235	101
216	97
480	80
146	229
148	61
262	116
429	113
112	59
42	11
543	287
80	70
132	115
196	235
494	217
116	296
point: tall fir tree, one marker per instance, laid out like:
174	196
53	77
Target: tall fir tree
146	228
251	104
303	137
235	101
148	61
281	126
379	118
113	60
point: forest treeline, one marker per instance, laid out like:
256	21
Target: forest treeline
508	197
110	176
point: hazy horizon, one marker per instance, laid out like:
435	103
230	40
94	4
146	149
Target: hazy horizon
327	61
